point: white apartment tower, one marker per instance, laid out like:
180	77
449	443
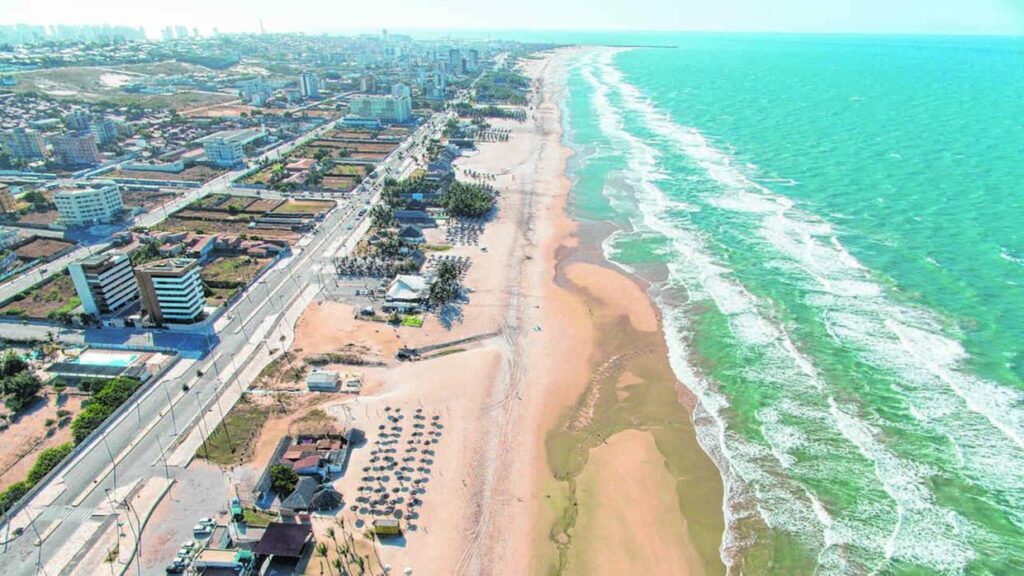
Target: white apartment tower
172	292
309	85
105	284
88	205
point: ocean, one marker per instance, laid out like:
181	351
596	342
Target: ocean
834	230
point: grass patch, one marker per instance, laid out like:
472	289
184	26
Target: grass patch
232	271
304	207
47	300
232	442
415	321
316	416
257	519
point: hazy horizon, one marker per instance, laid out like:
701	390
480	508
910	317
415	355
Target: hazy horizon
941	17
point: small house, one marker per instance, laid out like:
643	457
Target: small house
322	381
411	234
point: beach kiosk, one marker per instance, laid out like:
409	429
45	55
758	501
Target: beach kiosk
387	527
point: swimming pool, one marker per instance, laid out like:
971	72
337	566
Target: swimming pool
106	358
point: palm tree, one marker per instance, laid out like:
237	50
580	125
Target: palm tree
321	551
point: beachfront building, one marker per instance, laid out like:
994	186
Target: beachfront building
405	293
22	144
228	148
171	290
105	284
77	149
89	204
309	85
392	108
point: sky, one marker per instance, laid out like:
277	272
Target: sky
314	16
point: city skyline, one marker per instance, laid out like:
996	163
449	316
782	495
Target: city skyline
985	17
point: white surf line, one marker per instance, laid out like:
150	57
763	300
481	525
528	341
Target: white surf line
858	315
719	168
776	497
834	267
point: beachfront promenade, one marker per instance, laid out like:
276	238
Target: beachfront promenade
72	512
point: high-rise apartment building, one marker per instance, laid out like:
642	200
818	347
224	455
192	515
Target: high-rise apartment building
88	205
77	149
309	85
105	284
172	292
23	144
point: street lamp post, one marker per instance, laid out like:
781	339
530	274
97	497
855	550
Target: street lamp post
170	404
163	457
113	463
202	424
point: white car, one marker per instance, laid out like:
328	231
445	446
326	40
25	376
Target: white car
201	529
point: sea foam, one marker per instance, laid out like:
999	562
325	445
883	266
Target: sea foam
843	286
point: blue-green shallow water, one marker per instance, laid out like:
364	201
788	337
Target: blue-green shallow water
837	227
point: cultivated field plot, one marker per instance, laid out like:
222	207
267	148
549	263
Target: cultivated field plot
47	300
390	134
146	200
339	184
42	248
344	149
262	206
221	223
226	275
38	218
196	173
232	270
314	207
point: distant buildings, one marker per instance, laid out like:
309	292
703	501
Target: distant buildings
88	205
7	202
23	144
454	60
171	290
228	148
473	59
393	108
255	92
77	149
309	85
105	131
77	120
105	284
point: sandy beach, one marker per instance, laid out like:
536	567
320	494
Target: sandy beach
572	438
564	443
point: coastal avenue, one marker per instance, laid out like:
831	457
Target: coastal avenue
141	440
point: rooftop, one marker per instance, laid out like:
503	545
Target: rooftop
286	540
170	265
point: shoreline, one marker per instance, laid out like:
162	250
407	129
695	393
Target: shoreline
568	445
613	408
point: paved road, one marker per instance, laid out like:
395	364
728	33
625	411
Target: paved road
139	441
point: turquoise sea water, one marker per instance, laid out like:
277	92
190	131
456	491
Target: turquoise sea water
835	226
